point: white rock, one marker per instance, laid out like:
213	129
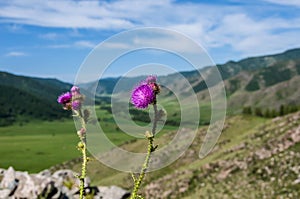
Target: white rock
4	193
8	181
62	184
112	192
26	186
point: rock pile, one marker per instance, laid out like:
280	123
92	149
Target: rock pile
60	184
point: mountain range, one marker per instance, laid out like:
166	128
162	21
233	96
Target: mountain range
266	82
264	86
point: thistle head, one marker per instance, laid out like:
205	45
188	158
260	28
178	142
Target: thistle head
65	99
145	93
71	100
142	96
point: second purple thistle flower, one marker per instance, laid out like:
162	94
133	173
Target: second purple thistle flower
142	96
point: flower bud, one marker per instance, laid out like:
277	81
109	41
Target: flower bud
75	91
148	134
80	145
81	132
76	105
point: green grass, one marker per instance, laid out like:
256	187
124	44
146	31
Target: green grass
240	127
39	145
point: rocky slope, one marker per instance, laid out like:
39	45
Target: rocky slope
254	158
265	164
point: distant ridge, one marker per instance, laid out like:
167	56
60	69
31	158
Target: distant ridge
266	81
25	98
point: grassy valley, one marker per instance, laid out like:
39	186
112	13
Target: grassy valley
38	145
257	155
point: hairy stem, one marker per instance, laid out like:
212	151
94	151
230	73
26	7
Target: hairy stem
151	149
82	137
155	119
138	182
83	170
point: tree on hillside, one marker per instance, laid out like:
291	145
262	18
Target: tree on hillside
247	110
258	112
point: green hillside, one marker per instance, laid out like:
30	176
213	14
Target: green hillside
47	89
254	158
23	99
20	106
251	65
264	82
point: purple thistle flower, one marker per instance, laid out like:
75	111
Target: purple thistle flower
76	105
75	90
142	96
64	98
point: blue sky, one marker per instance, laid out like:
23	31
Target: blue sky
52	38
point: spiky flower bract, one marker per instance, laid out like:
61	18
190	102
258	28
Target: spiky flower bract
151	79
76	105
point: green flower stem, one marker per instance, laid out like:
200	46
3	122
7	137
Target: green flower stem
137	184
151	148
83	171
155	119
83	150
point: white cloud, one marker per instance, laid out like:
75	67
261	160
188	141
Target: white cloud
64	14
50	36
76	44
155	38
253	37
59	46
285	2
171	42
115	45
247	30
84	44
15	54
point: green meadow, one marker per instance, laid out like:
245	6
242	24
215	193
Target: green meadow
38	145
